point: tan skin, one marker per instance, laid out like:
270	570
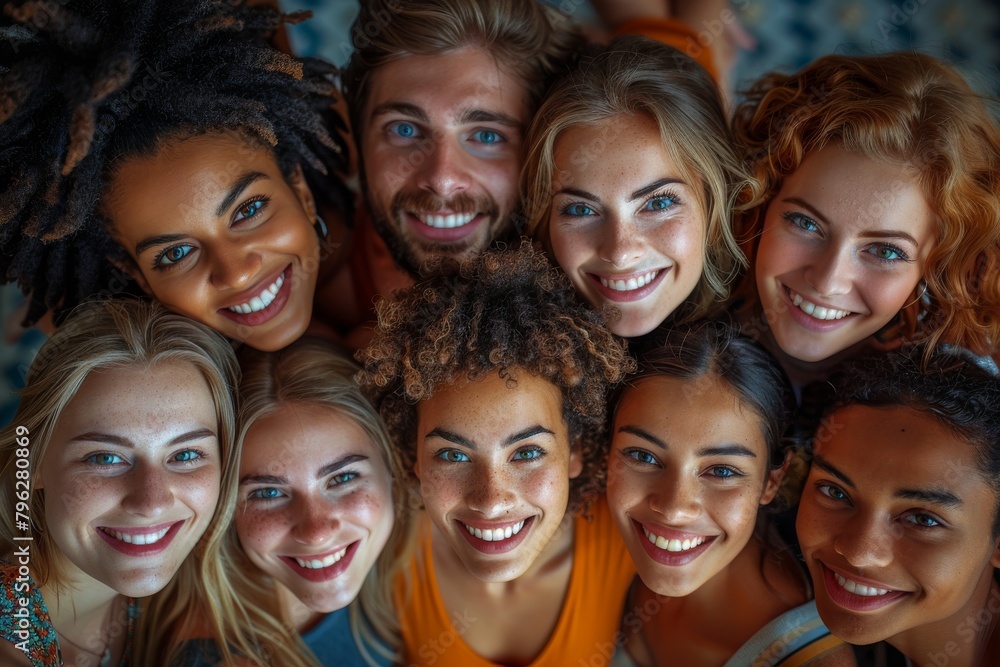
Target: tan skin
474	431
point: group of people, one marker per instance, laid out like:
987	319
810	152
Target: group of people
593	370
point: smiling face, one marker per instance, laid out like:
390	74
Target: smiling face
131	475
220	236
441	146
624	225
844	244
898	544
687	474
494	464
315	503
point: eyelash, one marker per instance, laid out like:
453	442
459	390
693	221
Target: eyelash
663	194
733	472
256	496
633	453
794	218
158	263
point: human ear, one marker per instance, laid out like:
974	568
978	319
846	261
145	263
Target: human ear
575	458
774	477
131	269
995	559
297	182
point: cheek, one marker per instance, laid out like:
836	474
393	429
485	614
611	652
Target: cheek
200	491
626	489
260	531
570	247
736	510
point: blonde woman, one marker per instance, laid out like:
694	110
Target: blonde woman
630	182
320	519
110	476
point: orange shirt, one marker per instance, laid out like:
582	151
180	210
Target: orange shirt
588	624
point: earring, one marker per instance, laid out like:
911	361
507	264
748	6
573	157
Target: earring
320	227
920	296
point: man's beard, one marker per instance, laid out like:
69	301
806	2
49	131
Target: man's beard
388	225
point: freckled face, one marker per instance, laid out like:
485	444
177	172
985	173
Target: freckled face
844	244
494	463
624	225
688	468
315	505
441	146
899	545
220	236
131	475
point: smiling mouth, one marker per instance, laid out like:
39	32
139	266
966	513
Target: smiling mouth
448	221
318	564
495	535
661	542
262	300
852	586
811	309
137	538
630	284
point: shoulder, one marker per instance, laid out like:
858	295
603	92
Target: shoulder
12	656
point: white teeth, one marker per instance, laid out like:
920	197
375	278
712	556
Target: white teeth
141	539
672	545
446	221
631	283
859	589
819	312
262	300
316	564
495	535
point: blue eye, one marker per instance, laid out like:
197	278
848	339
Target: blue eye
723	472
105	459
487	137
641	456
804	223
172	255
188	455
661	203
403	130
452	455
888	253
342	478
267	493
832	492
528	454
578	210
250	209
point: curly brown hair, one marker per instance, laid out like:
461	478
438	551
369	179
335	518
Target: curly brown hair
895	107
504	310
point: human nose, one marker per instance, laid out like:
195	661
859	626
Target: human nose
444	171
315	522
492	496
830	272
235	269
866	541
619	242
676	498
149	493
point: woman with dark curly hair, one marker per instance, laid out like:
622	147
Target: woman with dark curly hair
879	216
170	140
493	382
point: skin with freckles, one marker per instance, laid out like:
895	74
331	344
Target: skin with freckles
442	147
844	245
313	487
135	452
624	225
900	546
212	226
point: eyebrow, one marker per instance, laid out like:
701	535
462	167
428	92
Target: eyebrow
119	441
727	450
322	472
873	233
241	184
645	435
936	496
529	432
641	192
404	108
484	116
826	466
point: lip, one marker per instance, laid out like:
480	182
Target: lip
630	295
443	234
671	558
851	601
501	547
325	573
273	308
141	549
808	321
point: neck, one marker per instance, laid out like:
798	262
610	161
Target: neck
967	638
81	612
802	373
296	614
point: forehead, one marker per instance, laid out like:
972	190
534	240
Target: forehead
445	86
302	437
915	451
